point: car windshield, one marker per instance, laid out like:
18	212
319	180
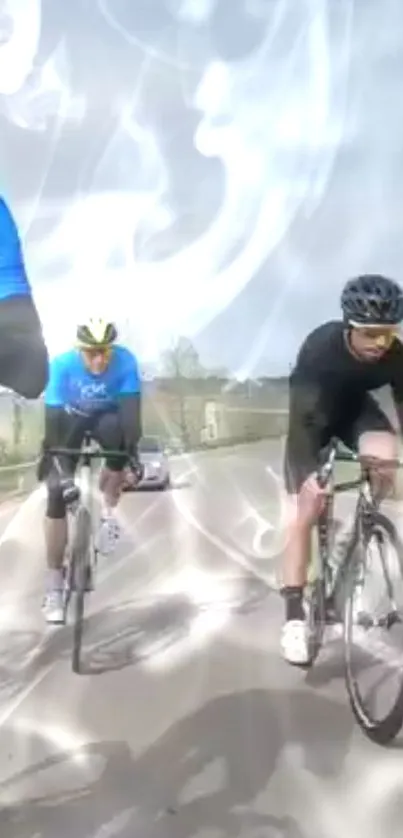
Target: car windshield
150	444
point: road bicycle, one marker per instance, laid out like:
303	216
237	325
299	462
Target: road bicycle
82	553
335	591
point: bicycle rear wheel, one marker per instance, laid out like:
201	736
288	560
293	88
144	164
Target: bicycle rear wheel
374	591
80	561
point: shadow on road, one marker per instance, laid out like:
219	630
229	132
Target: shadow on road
134	633
125	635
131	634
16	651
208	775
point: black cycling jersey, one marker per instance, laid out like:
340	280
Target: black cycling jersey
329	395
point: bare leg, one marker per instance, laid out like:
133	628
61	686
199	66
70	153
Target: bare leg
56	542
303	514
297	549
110	484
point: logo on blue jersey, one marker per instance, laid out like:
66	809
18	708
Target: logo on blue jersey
93	391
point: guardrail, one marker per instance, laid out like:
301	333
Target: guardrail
20	478
17	478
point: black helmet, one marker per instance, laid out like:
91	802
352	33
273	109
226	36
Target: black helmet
372	300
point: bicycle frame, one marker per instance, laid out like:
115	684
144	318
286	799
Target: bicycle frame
85	476
86	455
332	596
82	552
365	508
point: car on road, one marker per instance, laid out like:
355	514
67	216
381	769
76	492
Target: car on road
156	466
174	446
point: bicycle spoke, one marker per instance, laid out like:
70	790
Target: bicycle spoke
373	638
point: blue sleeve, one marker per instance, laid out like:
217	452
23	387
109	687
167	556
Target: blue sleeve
129	382
13	277
11	251
56	390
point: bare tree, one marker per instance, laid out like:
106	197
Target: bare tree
181	363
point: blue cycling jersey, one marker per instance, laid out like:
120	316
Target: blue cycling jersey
13	278
71	384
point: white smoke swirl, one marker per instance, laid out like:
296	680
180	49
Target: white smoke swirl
274	119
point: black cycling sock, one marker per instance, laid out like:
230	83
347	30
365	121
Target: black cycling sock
294	609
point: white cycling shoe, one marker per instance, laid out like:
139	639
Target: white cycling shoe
295	642
108	535
53	607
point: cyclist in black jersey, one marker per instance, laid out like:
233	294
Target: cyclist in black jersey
337	367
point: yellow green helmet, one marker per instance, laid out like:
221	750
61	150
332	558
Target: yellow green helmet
96	332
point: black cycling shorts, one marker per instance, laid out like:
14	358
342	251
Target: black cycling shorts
106	429
297	467
23	354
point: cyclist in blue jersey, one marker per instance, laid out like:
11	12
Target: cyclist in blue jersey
95	386
23	353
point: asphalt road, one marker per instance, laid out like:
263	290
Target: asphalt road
186	723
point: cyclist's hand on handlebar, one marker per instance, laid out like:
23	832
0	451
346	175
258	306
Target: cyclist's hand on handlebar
311	499
136	468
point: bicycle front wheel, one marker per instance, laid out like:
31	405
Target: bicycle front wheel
373	629
80	557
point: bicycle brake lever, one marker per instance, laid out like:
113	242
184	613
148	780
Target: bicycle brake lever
323	475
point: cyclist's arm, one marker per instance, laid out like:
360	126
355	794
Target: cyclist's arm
129	403
397	382
55	401
305	423
310	388
11	255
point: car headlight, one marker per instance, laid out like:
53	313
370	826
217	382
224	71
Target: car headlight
156	464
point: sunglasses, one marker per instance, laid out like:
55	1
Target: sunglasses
96	352
381	335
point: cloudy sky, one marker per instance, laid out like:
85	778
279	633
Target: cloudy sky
215	168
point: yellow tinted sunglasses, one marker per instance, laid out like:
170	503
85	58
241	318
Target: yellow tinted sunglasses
380	335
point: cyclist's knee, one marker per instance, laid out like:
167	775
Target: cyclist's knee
384	446
381	444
